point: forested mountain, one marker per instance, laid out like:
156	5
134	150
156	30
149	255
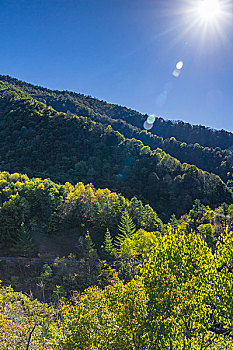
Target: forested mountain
36	214
179	297
130	123
39	141
126	280
79	104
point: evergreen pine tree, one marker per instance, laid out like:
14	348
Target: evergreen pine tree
126	227
108	247
90	252
174	222
23	245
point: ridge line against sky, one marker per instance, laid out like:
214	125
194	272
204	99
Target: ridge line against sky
125	52
104	101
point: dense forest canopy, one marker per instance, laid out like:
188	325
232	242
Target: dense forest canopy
196	145
86	261
39	141
180	297
185	132
42	212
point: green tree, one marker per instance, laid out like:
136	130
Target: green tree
207	232
90	253
195	214
108	247
174	222
113	318
126	227
151	221
179	277
23	245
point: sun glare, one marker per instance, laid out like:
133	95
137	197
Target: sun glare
209	10
204	23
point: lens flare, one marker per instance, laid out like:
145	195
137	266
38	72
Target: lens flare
179	65
151	119
176	73
147	126
178	68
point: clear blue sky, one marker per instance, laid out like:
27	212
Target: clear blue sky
124	52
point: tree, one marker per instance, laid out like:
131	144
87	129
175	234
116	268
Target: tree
174	222
90	253
113	318
23	245
151	221
187	295
108	247
126	228
195	214
207	232
24	323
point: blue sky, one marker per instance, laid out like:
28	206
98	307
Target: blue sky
124	52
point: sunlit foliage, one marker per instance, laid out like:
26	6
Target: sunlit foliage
24	324
40	141
182	299
33	211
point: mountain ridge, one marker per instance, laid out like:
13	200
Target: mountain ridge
109	106
218	161
40	141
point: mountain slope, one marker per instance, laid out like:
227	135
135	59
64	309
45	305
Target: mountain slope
130	124
67	100
37	215
39	141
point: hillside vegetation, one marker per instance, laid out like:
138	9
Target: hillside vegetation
181	298
37	215
181	131
196	145
38	141
86	260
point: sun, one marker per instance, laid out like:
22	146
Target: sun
209	10
203	22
